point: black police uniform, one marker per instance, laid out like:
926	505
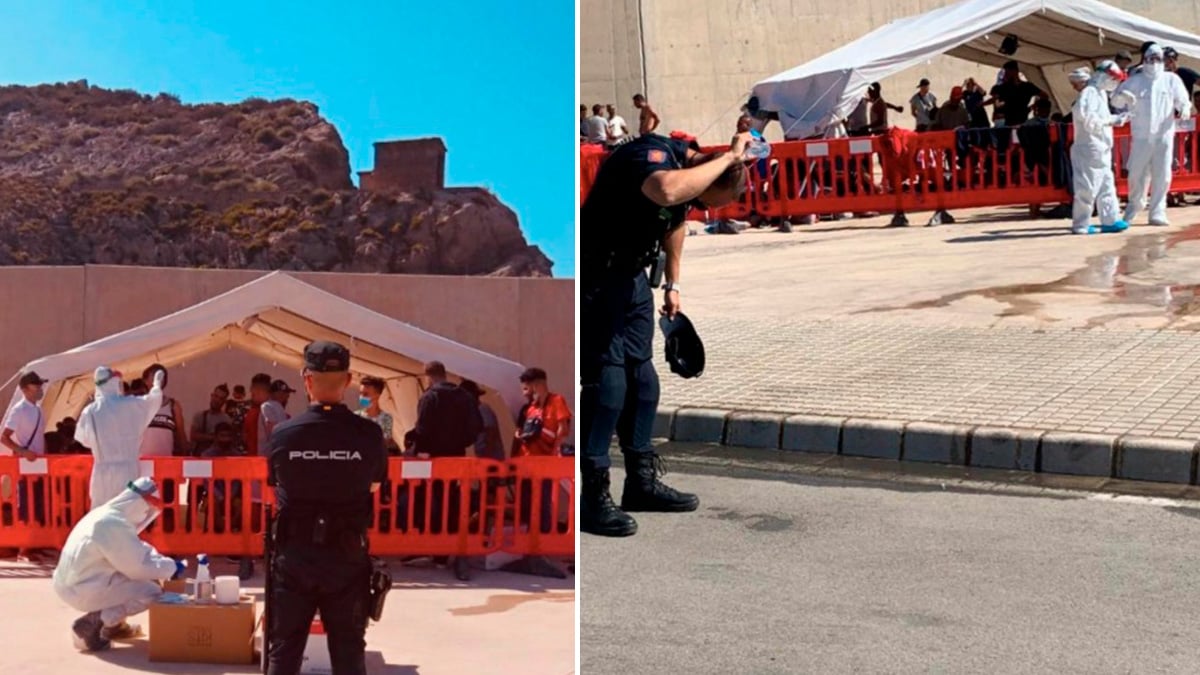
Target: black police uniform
322	464
620	233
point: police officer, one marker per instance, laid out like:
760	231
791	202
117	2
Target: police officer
637	204
324	465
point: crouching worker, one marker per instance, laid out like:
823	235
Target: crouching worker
108	572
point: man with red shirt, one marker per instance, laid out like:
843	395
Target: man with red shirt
545	422
543	427
260	392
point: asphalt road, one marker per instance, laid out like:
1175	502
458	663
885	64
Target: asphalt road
788	572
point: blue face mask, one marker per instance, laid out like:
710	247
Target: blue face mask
364	401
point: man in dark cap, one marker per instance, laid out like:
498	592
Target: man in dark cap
23	434
324	465
634	211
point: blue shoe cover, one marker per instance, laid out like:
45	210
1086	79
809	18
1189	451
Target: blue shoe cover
1090	230
1119	226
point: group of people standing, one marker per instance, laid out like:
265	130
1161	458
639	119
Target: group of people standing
1149	100
606	128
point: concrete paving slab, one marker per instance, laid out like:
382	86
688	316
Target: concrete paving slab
1089	335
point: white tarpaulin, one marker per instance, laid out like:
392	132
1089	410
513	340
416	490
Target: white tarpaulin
1055	37
274	317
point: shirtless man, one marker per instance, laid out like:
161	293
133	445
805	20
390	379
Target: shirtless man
647	118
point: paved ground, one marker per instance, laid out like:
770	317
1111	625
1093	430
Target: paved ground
864	569
497	623
1000	322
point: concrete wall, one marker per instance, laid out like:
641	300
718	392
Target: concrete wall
703	56
44	311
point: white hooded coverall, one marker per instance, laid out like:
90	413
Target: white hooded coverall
1154	96
112	426
105	567
1091	156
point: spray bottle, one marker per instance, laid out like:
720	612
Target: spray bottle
204	587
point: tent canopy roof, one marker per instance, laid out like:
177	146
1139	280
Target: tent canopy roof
274	317
1055	37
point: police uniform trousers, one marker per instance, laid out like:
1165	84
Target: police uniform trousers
620	387
335	581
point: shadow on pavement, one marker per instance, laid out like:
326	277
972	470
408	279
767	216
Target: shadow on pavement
135	655
1009	235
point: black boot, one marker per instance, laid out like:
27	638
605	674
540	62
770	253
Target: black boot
643	490
598	514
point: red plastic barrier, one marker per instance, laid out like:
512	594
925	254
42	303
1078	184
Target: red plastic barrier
56	497
907	171
543	506
450	506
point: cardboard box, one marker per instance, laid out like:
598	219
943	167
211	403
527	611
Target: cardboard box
208	633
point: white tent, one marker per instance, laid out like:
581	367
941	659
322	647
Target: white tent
274	317
1055	37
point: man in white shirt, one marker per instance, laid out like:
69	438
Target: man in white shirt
618	131
597	126
23	435
273	413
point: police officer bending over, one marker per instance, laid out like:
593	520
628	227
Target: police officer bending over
637	204
324	465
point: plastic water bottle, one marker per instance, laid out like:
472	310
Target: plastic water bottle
758	148
204	586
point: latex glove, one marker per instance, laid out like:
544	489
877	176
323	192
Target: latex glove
180	567
159	376
1120	120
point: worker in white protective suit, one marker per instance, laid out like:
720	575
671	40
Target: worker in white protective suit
1152	96
1092	151
112	426
108	572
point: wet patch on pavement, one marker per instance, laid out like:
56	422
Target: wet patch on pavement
755	522
1160	270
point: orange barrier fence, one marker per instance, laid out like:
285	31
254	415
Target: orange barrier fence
450	506
905	171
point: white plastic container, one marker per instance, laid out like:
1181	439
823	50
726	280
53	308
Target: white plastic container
227	589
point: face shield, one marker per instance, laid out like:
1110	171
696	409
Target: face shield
152	504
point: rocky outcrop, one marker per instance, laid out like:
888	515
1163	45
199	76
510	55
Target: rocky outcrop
89	175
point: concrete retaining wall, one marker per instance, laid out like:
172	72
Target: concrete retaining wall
1127	457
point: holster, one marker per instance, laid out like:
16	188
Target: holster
381	583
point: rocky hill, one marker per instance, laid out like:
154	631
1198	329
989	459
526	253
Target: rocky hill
89	175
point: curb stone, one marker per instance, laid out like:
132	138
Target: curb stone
812	433
1078	454
699	425
1001	448
939	443
880	439
754	430
663	419
1165	460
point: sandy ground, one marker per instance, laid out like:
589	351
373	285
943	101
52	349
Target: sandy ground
432	624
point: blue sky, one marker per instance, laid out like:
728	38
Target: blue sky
495	79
